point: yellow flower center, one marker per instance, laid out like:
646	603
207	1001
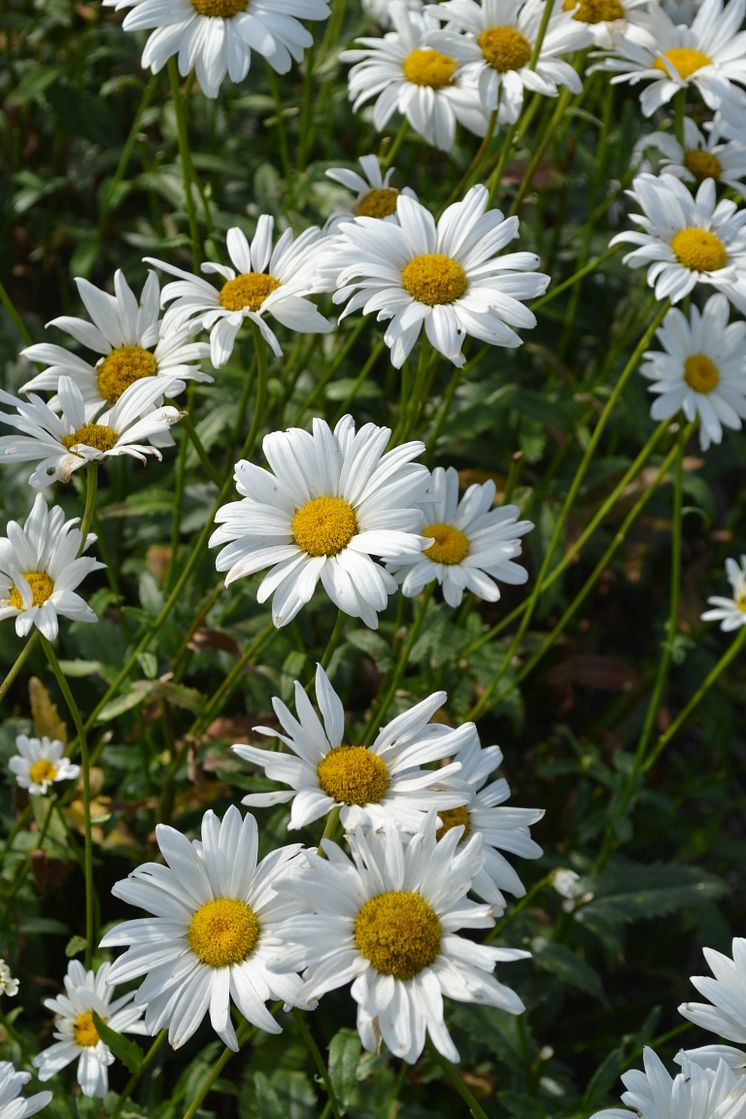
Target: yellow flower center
505	48
741	602
324	526
700	373
121	368
702	164
451	545
353	775
398	932
42	770
223	932
99	436
699	249
433	278
223	8
41	588
429	67
84	1030
595	11
250	289
378	203
451	818
684	60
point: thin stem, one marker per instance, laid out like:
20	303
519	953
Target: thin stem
231	681
15	318
390	155
202	454
329	372
244	1032
540	151
414	632
18	663
330	828
185	158
282	139
318	1060
456	1081
91	487
134	1080
334	639
589	267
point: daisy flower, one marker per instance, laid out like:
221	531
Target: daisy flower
606	20
40	762
473	544
495	41
264	280
331	502
703	369
129	335
403	72
77	1038
212	939
725	1013
730	612
375	784
700	157
216	37
710	1056
9	987
40	567
687	240
447	276
12	1104
375	197
695	1093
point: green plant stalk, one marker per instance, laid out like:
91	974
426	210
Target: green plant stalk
457	1082
185	158
202	454
91	488
360	380
518	907
15	318
18	826
538	155
581	272
18	663
231	681
110	190
23	869
282	139
179	484
390	155
334	638
330	828
329	372
318	1060
135	1078
242	405
244	1032
472	170
414	632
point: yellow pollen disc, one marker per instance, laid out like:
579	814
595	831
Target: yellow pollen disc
42	770
429	67
41	588
398	932
451	818
84	1030
224	8
741	603
378	203
433	278
353	775
684	61
451	545
595	11
324	526
702	164
699	249
250	289
505	48
99	436
700	373
121	368
223	932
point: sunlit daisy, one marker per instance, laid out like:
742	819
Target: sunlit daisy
77	1038
215	38
473	544
375	197
702	156
730	612
375	784
446	276
332	501
40	762
606	20
40	567
12	1104
264	281
129	335
725	1013
8	987
687	241
703	369
695	1093
212	938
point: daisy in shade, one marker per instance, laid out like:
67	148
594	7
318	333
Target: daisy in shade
701	156
473	544
212	939
39	762
703	369
61	443
387	920
129	335
264	281
606	20
403	72
40	566
77	1039
695	1093
376	198
495	39
375	784
216	37
332	501
687	241
12	1104
725	1013
446	276
9	987
730	612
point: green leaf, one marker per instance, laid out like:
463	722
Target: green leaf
628	892
126	1051
567	967
344	1057
124	703
75	945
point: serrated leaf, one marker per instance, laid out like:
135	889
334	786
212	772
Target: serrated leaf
125	1050
629	892
44	713
567	967
344	1057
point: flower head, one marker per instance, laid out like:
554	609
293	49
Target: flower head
375	197
40	762
730	612
725	1013
702	156
606	20
8	984
12	1104
695	1093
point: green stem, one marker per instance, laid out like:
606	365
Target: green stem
91	487
540	151
18	826
185	158
330	828
456	1081
244	1032
334	639
329	372
134	1080
282	139
518	907
230	682
318	1060
414	632
589	267
15	318
18	663
390	155
202	454
361	378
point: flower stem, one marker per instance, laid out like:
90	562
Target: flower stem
390	155
282	139
244	1032
456	1081
202	454
318	1060
15	318
134	1080
185	158
18	663
91	487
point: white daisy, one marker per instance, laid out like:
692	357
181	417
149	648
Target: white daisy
12	1104
332	501
473	544
40	567
216	37
710	1056
403	72
687	240
695	1093
709	54
496	38
131	338
700	157
375	197
447	276
387	920
212	939
380	10
267	281
725	1013
75	1031
730	612
607	20
40	762
375	784
9	987
703	369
